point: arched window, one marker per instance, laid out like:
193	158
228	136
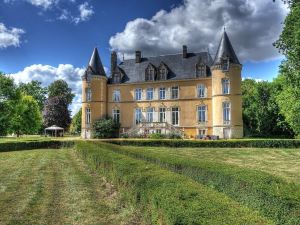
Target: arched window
150	73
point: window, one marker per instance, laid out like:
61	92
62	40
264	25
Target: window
88	116
202	132
175	116
158	131
175	92
201	71
138	94
225	64
226	112
225	86
150	73
149	93
116	95
162	115
162	72
117	78
88	94
138	115
162	93
202	113
116	115
201	91
150	115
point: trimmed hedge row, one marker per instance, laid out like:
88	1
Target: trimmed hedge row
271	196
26	145
165	197
259	143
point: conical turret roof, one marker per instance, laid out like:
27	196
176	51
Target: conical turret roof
95	66
225	50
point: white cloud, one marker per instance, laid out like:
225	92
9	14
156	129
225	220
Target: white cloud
47	74
86	11
252	27
10	36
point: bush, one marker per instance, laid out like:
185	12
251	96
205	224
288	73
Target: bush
157	136
258	143
106	128
165	197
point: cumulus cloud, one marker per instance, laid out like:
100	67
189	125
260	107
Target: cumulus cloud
45	4
10	36
86	11
252	25
47	74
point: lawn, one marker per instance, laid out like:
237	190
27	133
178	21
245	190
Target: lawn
54	186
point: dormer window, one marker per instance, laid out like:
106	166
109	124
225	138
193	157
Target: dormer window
150	73
201	70
162	72
117	78
225	64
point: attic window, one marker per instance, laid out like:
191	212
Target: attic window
225	64
150	73
162	72
117	78
201	70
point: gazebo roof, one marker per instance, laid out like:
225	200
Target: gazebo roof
54	127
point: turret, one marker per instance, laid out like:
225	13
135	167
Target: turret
226	92
94	94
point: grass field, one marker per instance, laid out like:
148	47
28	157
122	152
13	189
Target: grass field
149	185
55	187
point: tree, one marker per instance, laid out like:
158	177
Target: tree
56	112
26	116
61	88
35	89
106	128
289	44
76	123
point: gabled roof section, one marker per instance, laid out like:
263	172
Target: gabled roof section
95	66
225	50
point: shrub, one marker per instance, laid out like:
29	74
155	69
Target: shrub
165	197
156	136
106	128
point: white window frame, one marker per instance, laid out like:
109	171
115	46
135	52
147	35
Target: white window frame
116	95
149	94
138	94
162	93
162	115
88	92
175	116
137	115
150	114
202	113
175	89
88	116
202	132
226	112
225	86
201	91
116	114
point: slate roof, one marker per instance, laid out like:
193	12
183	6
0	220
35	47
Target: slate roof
179	68
225	49
95	66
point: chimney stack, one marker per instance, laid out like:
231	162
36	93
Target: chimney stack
184	51
113	62
138	56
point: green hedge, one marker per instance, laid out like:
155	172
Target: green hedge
255	143
271	196
26	145
165	197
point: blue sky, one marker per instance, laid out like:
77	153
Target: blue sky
53	39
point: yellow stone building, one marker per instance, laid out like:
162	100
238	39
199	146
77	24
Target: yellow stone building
188	93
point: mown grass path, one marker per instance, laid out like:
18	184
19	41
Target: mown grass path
55	187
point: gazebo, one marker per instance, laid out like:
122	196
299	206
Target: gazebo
54	130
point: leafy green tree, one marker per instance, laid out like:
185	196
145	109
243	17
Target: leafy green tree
75	127
289	44
106	128
26	116
56	112
61	88
35	89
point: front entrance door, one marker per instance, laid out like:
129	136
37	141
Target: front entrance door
226	132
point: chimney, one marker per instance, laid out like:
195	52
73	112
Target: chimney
113	62
138	56
184	51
